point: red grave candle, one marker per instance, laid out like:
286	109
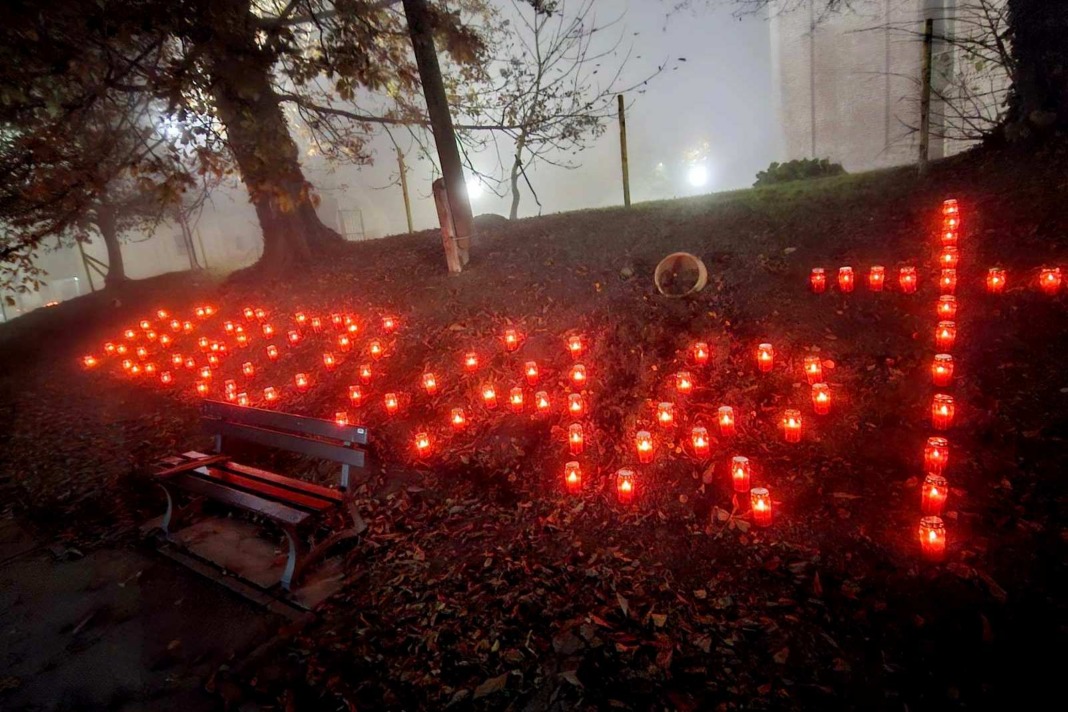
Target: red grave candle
205	372
135	370
950	238
162	313
791	425
228	327
813	369
765	357
573	478
942	411
699	440
933	538
270	394
1049	279
760	503
471	361
575	346
142	352
176	325
818	280
376	349
200	312
942	370
578	375
294	337
876	278
365	372
272	352
626	486
541	401
213	361
935	491
145	325
329	361
248	369
725	418
242	340
995	280
187	327
576	441
355	395
489	396
190	363
643	443
575	405
268	331
422	443
301	318
203	342
530	370
338	321
389	323
950	207
177	360
316	324
150	335
740	473
949	257
248	313
700	353
341	417
344	343
166	378
665	414
242	399
511	339
951	222
908	280
947	282
845	279
936	455
515	400
89	361
945	335
301	379
821	398
430	383
947	307
109	348
127	364
458	418
392	403
150	368
165	341
203	388
259	314
683	383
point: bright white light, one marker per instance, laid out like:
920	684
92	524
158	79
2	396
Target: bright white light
697	176
474	190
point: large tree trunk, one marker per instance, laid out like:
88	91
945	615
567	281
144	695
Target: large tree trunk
259	138
107	224
1038	101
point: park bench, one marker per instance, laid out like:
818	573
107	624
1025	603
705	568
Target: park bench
313	518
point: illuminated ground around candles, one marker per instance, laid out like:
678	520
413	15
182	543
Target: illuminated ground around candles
483	583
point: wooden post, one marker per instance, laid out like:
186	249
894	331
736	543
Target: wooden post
404	188
437	105
448	236
85	264
203	252
925	95
623	150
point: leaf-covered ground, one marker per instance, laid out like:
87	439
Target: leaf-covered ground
482	585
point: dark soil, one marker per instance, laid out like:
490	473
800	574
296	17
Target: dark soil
482	585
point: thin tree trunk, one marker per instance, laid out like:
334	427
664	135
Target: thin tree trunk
107	224
259	138
1038	102
517	166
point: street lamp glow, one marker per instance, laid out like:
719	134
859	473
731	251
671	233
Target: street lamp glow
697	176
474	190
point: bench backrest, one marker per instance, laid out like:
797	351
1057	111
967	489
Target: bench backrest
315	437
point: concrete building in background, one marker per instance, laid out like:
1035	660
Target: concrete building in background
848	83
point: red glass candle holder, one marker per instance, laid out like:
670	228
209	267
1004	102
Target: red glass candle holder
575	439
575	405
942	370
355	395
701	353
515	400
578	375
933	538
950	207
301	318
259	314
876	278
422	443
272	352
302	381
293	337
150	368
489	396
241	340
683	383
791	425
765	357
573	478
389	324
949	257
430	383
166	378
541	402
202	388
165	341
1049	279
344	343
270	394
935	492
818	280
200	312
365	372
845	279
995	280
908	280
190	363
530	372
947	282
942	411
248	313
230	386
821	398
391	402
626	486
665	414
242	399
471	361
575	347
187	327
700	441
109	348
341	417
511	339
316	324
203	342
162	314
177	359
740	473
725	419
947	307
376	349
248	369
268	331
950	237
329	361
813	369
142	352
945	335
936	455
458	418
338	320
760	504
643	443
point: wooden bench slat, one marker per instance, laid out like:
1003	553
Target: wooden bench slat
275	511
258	417
264	489
288	482
286	441
185	466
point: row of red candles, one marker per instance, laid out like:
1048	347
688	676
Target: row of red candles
1049	279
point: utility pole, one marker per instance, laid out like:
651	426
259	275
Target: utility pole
623	150
437	106
404	188
925	96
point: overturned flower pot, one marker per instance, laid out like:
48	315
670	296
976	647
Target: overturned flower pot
680	274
